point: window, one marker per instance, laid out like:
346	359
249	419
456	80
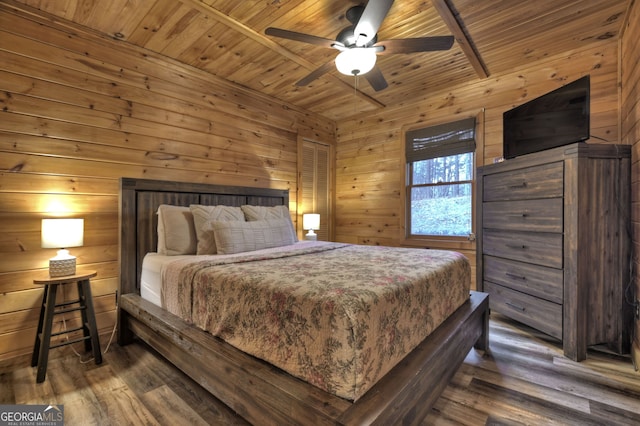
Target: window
440	165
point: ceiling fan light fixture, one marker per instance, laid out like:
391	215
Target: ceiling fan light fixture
356	61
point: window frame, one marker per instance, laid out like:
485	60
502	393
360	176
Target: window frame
442	241
410	185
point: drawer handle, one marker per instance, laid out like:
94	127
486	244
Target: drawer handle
520	185
523	214
517	246
517	277
513	305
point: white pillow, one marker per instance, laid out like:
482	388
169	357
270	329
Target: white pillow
238	237
203	215
176	233
252	213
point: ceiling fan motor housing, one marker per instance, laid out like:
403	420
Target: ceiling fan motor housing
348	38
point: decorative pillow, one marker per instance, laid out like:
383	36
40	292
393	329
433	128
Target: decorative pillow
202	215
176	233
238	237
252	213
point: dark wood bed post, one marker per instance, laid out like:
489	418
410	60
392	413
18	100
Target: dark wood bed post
127	246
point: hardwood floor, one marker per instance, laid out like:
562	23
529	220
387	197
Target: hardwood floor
525	380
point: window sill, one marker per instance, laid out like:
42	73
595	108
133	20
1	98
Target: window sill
448	243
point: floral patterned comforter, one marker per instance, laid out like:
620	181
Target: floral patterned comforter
338	316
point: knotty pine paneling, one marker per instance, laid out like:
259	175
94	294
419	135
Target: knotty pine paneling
630	134
370	149
79	111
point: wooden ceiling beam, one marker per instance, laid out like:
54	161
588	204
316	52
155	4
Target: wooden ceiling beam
454	26
267	42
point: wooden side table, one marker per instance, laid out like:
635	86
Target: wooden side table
49	309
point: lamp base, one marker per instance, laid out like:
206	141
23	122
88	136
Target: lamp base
311	236
62	265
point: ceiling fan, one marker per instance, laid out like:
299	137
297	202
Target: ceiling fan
358	44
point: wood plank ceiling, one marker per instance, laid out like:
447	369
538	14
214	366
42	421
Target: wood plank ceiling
226	38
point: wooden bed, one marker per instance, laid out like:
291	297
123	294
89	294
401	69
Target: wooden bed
259	392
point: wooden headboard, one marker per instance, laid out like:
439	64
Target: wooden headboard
139	201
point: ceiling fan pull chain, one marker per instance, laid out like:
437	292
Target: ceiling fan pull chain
355	95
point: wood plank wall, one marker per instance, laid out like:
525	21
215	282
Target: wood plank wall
630	134
78	111
370	158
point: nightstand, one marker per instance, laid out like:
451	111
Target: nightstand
49	309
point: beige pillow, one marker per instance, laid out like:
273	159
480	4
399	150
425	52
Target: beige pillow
176	233
252	213
203	215
238	237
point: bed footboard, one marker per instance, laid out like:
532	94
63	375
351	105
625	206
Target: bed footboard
252	387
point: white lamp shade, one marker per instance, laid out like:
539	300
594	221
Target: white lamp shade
62	233
311	221
356	60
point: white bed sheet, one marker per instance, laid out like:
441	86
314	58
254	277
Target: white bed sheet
151	277
153	264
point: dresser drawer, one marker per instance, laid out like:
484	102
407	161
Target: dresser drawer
532	247
537	313
543	215
539	281
546	181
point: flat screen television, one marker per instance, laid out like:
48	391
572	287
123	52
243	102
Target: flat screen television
557	118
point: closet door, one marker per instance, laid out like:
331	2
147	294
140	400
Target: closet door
315	185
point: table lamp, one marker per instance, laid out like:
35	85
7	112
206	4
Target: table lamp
311	222
62	234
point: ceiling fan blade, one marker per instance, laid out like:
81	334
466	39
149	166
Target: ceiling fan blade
376	79
374	13
322	70
412	45
305	38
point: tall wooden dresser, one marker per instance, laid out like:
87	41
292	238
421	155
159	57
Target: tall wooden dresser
554	243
